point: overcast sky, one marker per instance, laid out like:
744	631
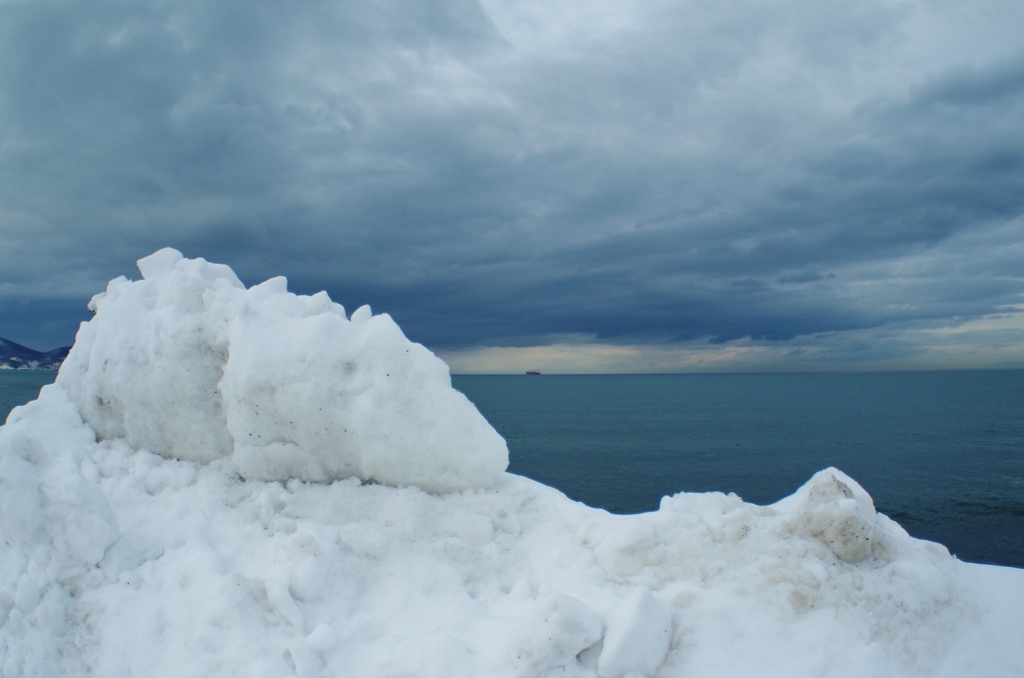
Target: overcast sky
558	184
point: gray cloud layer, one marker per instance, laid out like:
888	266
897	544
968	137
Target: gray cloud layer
493	174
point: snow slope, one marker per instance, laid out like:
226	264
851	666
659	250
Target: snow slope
232	482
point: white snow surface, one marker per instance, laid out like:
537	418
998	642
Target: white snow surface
232	482
189	364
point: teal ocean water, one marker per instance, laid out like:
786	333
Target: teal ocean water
940	452
17	387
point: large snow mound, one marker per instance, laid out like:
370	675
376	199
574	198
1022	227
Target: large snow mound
189	364
143	533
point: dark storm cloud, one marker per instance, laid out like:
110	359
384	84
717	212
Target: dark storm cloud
973	86
498	175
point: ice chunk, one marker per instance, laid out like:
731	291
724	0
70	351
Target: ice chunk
559	628
308	573
159	263
638	637
189	364
147	367
839	513
362	314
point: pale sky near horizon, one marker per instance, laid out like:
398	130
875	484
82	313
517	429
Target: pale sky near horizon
665	185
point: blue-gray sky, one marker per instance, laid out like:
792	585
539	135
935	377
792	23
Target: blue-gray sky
576	186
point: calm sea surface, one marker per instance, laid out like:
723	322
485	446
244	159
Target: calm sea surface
942	453
17	387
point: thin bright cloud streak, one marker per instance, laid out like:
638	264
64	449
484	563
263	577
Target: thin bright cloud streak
991	342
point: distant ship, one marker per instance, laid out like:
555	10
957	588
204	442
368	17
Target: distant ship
533	372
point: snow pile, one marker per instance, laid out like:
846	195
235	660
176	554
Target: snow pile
189	364
133	546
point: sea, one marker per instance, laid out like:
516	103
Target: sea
942	453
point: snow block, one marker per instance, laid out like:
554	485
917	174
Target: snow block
638	637
189	364
553	634
839	513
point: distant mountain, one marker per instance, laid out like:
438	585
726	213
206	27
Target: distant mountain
17	357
